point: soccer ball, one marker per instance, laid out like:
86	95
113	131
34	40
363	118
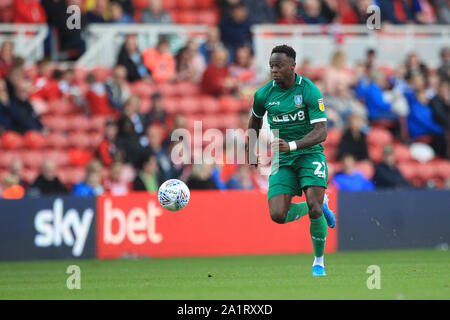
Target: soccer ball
173	195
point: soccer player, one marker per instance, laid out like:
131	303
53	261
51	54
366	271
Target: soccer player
295	108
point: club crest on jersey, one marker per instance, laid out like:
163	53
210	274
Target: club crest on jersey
298	100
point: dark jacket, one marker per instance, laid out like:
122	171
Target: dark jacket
388	177
24	116
42	186
355	147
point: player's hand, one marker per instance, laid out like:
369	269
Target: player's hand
251	156
280	145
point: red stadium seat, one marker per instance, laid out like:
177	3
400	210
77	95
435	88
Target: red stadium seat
141	4
208	17
187	89
402	153
80	74
443	169
206	4
142	88
185	17
97	123
57	140
189	105
79	157
145	105
101	73
79	123
211	122
426	171
60	158
209	104
60	106
376	153
12	140
34	140
186	4
229	121
7	157
366	169
166	89
333	137
379	137
33	159
30	174
229	104
169	4
71	175
408	169
172	104
79	140
95	138
56	123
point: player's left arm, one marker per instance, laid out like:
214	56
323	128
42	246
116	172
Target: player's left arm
317	117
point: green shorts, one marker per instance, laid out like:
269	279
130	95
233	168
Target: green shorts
306	170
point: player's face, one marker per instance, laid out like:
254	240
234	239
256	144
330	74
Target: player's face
281	67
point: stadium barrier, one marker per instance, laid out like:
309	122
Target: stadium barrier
213	224
394	219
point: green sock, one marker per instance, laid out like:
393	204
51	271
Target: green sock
318	230
296	211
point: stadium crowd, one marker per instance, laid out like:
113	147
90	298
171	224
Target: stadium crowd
67	130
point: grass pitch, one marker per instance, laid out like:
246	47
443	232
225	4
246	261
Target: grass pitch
406	274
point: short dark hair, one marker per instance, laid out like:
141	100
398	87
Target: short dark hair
289	51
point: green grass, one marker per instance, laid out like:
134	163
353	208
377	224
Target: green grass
406	274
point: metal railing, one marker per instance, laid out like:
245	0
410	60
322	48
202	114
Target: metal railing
105	40
318	42
28	39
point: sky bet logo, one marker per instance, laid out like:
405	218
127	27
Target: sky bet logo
54	227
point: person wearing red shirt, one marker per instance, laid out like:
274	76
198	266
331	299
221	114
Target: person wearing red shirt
97	97
216	78
29	11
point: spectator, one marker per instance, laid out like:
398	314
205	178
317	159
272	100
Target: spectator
337	76
288	13
29	11
131	111
97	97
442	10
6	58
70	42
159	61
16	168
387	174
421	122
115	184
117	88
127	6
149	178
23	114
201	177
118	15
91	186
98	14
155	13
235	30
354	141
242	179
107	151
260	11
11	189
311	12
377	106
415	66
156	147
131	59
6	118
350	179
47	183
128	142
216	78
243	69
444	68
211	44
440	105
69	89
395	11
157	114
189	63
356	12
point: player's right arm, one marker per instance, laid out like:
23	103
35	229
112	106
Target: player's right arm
254	125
